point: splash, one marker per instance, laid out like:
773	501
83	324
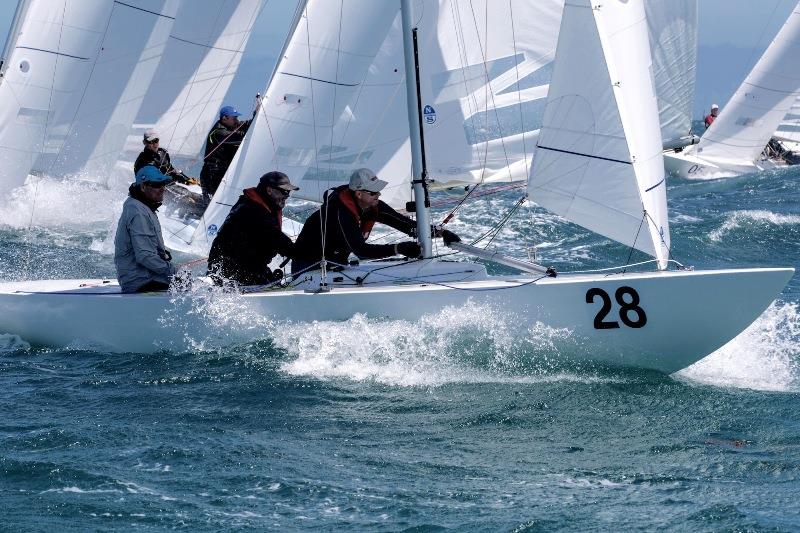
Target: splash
766	356
48	202
207	317
13	343
737	219
467	344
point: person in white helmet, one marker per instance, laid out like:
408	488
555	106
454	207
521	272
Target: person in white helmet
711	116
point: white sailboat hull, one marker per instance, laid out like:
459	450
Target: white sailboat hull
687	165
680	316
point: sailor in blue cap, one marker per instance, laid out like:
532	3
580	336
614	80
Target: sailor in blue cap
221	145
143	262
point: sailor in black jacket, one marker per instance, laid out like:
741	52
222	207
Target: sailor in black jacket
251	235
347	216
221	145
158	157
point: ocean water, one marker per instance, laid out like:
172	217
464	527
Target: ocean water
455	422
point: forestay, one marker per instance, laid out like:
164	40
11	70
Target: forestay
598	160
199	63
87	124
673	41
746	123
334	103
50	54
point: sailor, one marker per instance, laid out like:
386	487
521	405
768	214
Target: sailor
158	157
143	263
711	116
251	235
347	216
221	145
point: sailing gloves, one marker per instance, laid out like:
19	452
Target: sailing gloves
409	249
448	237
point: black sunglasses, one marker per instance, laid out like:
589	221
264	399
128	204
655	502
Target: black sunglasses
284	192
156	185
153	141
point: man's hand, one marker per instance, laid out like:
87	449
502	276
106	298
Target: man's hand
409	249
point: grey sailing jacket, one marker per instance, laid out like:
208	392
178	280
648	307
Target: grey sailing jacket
139	252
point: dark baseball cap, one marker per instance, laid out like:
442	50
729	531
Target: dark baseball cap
278	180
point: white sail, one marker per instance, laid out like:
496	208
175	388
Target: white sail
51	52
485	68
335	103
88	123
789	128
201	58
598	160
673	43
746	123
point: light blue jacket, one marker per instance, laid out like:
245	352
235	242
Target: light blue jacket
139	252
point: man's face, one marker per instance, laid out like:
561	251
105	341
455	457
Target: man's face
279	196
229	122
151	145
366	199
715	112
153	191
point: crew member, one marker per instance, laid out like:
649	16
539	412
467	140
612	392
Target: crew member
347	216
158	157
711	116
143	262
221	145
251	235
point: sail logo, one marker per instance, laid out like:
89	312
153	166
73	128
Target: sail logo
429	113
212	230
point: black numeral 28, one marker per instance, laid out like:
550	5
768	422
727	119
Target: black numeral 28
626	308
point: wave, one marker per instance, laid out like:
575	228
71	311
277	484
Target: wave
737	219
765	356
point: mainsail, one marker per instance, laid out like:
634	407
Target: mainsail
198	65
673	42
91	113
746	123
331	105
598	161
51	50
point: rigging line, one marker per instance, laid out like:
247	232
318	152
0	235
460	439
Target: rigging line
630	252
323	225
616	268
505	220
661	236
49	110
489	90
519	90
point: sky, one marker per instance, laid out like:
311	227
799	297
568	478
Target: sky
732	36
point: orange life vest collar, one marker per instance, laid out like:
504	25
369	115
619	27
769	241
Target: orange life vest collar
348	199
253	195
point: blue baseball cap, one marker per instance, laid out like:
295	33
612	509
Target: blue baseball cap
229	111
150	174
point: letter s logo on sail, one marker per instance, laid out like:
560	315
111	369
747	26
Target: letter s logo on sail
429	113
212	230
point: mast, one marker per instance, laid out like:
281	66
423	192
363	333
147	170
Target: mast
418	169
11	40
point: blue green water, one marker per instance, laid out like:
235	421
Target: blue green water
452	423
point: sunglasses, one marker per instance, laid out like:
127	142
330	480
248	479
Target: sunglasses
283	192
157	185
154	141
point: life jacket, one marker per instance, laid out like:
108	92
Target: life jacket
349	201
253	195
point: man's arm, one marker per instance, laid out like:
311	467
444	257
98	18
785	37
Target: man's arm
145	249
390	217
355	241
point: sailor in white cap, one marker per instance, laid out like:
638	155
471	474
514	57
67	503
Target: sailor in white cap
711	116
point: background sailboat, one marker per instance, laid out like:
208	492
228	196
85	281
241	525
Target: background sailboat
734	143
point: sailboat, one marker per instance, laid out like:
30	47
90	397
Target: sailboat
597	162
76	74
734	144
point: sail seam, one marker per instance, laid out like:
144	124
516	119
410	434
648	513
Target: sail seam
320	80
51	52
187	41
156	13
584	155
